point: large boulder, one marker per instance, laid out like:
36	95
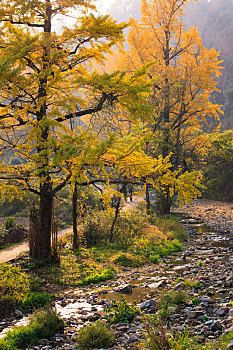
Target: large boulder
125	289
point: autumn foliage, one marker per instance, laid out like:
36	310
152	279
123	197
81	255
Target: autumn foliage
66	122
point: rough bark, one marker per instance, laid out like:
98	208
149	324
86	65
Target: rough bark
115	219
148	205
74	216
42	241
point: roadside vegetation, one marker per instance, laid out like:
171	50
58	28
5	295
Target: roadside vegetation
19	290
157	337
42	325
137	240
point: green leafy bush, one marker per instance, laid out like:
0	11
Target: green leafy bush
175	297
196	301
14	287
36	284
154	258
94	336
44	324
192	284
97	227
121	311
9	223
126	259
170	299
35	300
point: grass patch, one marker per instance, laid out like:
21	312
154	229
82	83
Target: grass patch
97	277
169	299
151	248
44	324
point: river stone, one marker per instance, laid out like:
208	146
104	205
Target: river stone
63	303
192	314
132	338
43	341
18	314
230	313
230	345
214	325
147	304
125	289
206	300
229	281
178	286
221	312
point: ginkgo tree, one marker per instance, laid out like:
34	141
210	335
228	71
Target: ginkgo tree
46	81
185	75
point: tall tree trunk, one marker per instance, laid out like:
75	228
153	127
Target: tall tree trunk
148	205
164	202
115	219
75	215
163	199
42	241
40	236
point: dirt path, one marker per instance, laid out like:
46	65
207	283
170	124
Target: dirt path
13	252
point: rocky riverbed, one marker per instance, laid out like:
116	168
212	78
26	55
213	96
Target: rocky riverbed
204	270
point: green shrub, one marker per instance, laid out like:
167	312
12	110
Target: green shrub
47	323
97	227
9	223
121	311
170	299
175	297
36	284
126	259
94	336
196	301
191	284
170	225
96	277
154	258
14	287
156	337
129	224
7	346
35	300
44	324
